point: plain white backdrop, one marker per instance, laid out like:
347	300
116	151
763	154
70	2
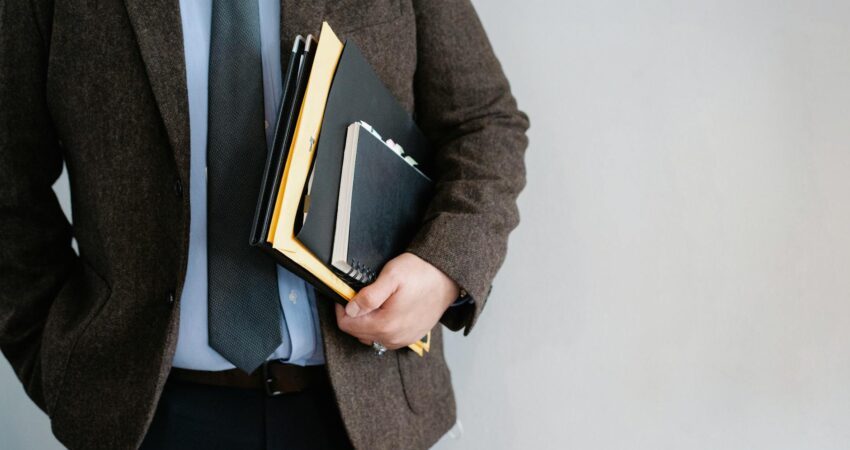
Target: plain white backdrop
680	277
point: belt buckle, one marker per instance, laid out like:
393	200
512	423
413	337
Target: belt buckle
269	381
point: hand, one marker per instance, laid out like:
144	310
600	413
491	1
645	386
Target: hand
401	305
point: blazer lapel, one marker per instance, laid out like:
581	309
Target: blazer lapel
159	32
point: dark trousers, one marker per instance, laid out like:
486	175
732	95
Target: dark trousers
191	416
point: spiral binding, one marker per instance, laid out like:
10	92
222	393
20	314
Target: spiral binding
360	272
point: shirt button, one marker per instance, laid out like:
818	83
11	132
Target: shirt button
169	299
178	187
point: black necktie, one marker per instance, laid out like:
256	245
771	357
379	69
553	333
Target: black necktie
244	305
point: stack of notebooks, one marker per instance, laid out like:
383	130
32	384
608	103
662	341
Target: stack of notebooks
347	180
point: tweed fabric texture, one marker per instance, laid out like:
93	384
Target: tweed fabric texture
101	86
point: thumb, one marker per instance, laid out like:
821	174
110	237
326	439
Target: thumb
371	297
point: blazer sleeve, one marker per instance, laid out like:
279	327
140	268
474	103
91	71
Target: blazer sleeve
464	104
35	237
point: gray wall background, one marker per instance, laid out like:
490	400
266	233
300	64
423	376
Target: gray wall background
680	278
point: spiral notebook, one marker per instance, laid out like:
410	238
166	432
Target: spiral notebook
357	94
382	198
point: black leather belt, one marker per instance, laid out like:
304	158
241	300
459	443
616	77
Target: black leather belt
273	377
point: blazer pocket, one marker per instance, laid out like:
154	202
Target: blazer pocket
78	302
351	15
426	380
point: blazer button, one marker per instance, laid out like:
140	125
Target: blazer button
178	187
170	298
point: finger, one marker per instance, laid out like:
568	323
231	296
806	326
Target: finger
385	325
365	342
372	296
394	346
364	327
346	324
394	334
394	321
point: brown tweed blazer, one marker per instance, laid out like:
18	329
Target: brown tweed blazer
100	85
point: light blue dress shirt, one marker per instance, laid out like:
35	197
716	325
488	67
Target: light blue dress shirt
302	343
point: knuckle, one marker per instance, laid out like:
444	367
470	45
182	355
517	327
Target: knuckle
392	330
397	344
368	330
369	299
380	334
393	274
344	324
386	329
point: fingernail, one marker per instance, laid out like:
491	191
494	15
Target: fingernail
352	309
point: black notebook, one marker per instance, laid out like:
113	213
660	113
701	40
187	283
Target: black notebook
357	94
294	85
382	197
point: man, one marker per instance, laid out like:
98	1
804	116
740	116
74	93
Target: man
138	339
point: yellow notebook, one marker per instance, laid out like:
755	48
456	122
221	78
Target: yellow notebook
282	236
298	162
